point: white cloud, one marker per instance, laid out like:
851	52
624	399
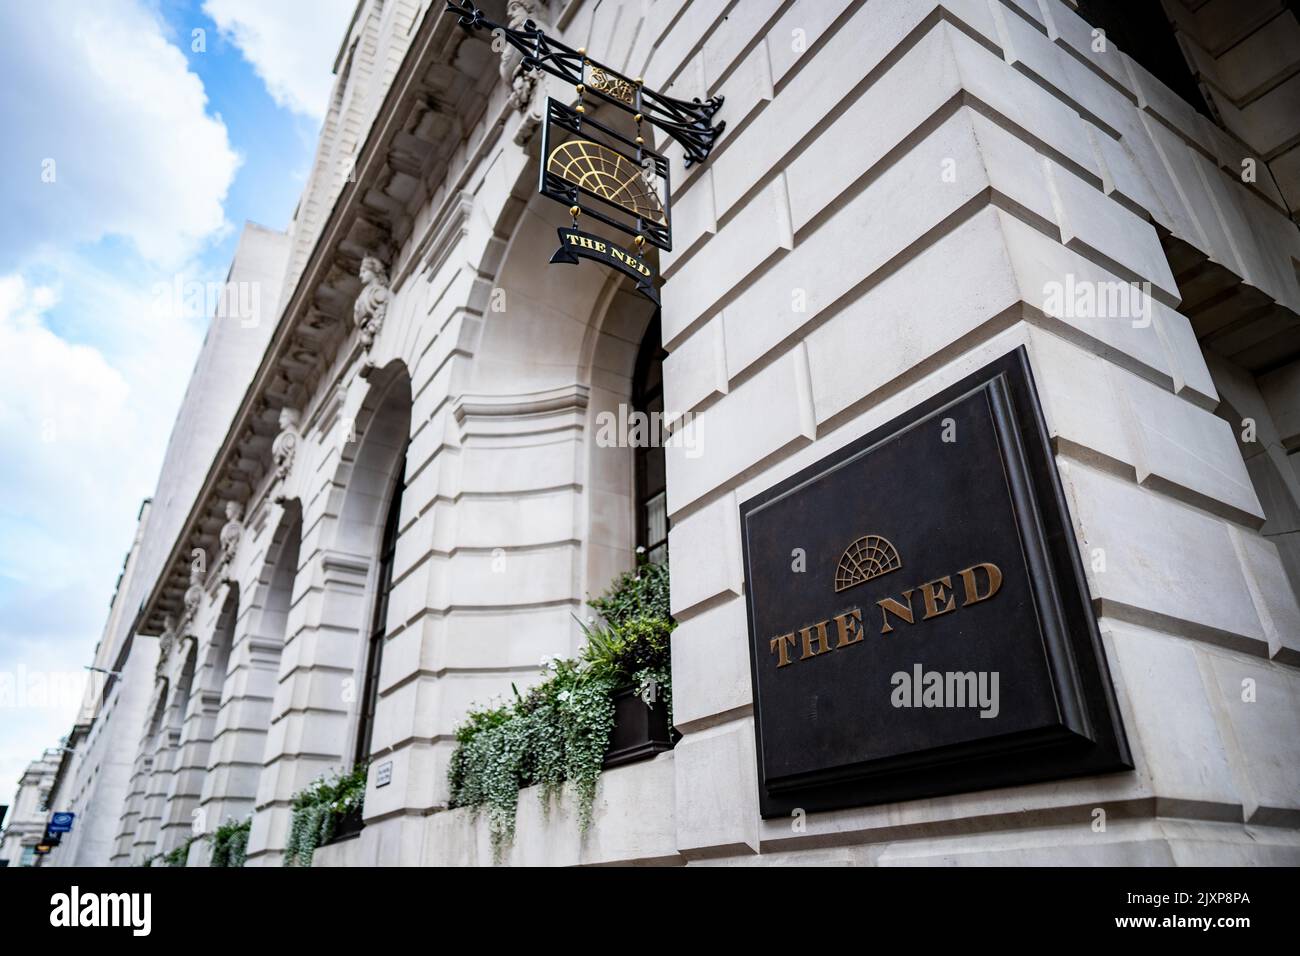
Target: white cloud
91	371
83	430
290	43
106	132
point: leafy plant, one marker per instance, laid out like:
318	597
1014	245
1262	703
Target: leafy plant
230	843
318	809
642	592
176	857
559	731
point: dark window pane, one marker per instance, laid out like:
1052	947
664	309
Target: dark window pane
379	619
650	468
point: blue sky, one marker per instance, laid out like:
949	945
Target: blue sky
135	150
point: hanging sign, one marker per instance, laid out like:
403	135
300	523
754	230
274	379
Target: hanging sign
61	822
597	170
575	245
603	175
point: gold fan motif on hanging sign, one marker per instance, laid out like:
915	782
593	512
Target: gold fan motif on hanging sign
607	174
868	557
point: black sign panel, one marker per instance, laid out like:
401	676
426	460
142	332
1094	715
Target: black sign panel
596	170
575	245
918	616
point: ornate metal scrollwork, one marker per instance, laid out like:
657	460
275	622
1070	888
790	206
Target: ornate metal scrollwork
688	122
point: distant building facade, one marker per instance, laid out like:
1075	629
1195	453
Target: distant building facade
904	191
25	826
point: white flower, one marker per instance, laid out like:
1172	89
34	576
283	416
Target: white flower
564	695
640	549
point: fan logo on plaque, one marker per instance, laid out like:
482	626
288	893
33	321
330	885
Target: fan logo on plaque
596	169
868	557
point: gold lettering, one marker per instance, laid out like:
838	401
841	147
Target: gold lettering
600	247
971	588
823	639
903	611
933	593
780	647
849	624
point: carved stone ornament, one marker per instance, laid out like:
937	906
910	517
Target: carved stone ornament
372	303
286	443
167	639
231	531
193	594
523	83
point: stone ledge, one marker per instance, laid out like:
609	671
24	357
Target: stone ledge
632	823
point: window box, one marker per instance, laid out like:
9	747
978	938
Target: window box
350	825
640	730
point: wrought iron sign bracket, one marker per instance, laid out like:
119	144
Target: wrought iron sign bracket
690	123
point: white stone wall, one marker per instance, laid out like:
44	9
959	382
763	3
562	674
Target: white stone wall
828	188
1061	156
233	346
899	185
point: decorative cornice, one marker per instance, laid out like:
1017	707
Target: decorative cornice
314	323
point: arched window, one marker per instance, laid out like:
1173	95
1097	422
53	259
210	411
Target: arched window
379	618
651	473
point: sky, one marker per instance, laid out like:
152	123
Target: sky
138	137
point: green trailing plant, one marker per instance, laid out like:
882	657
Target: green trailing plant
178	856
558	732
230	843
318	809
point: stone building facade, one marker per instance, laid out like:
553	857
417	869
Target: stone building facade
904	191
25	823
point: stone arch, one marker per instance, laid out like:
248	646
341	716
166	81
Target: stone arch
182	780
233	782
618	340
314	717
374	466
579	327
383	427
528	517
145	803
191	786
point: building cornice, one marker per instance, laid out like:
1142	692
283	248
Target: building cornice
438	93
